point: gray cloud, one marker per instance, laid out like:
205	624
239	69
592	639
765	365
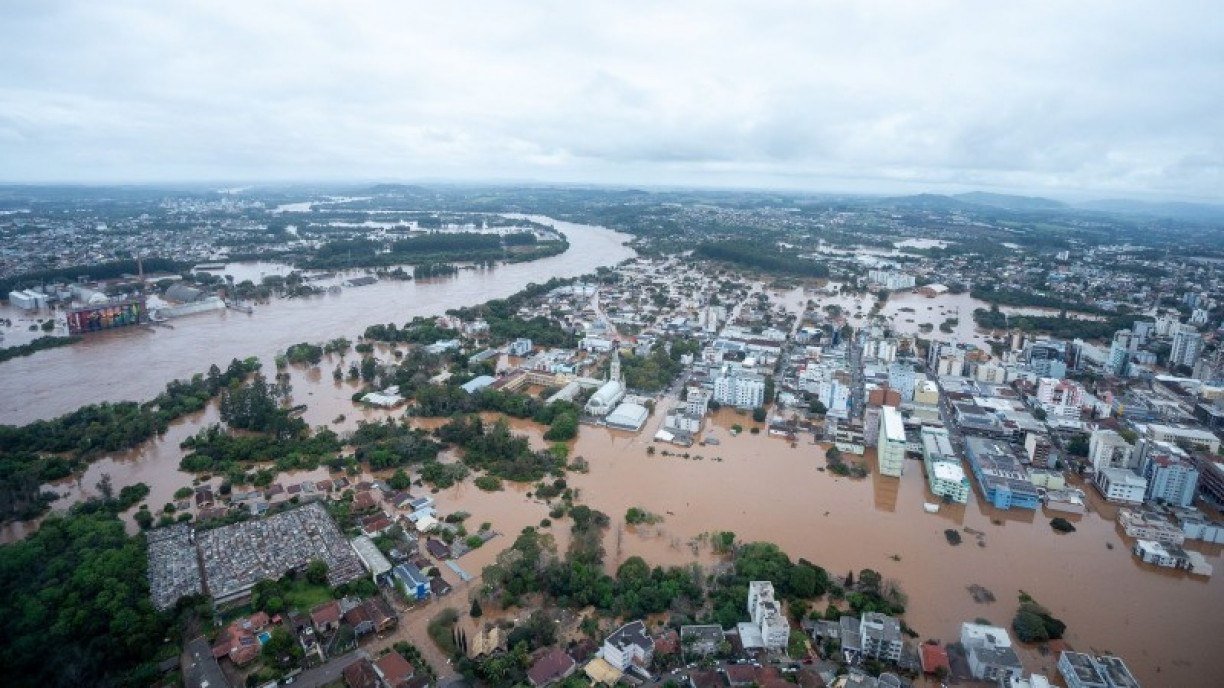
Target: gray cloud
1068	99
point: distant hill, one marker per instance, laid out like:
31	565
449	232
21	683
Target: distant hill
1009	202
394	190
928	202
1173	209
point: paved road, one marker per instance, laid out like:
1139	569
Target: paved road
682	674
329	671
858	391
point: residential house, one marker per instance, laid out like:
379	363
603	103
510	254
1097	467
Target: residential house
394	670
363	501
934	659
380	614
326	617
705	679
375	525
628	646
360	620
701	640
360	674
990	652
238	640
880	637
550	666
437	549
415	583
438	586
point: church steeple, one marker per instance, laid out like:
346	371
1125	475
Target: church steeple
614	371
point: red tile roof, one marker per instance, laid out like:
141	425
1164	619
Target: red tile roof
741	674
933	657
394	669
360	674
551	666
326	614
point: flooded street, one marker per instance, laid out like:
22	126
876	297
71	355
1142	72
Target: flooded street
136	363
908	312
1166	625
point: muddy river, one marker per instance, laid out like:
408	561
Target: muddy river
1167	626
135	363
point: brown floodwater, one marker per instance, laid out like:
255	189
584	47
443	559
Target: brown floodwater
135	363
908	311
1166	625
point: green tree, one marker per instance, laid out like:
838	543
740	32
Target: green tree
399	480
564	427
75	601
281	649
316	572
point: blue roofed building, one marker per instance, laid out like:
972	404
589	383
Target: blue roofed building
416	583
1003	480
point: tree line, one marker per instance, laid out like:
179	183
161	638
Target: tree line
760	256
40	344
33	454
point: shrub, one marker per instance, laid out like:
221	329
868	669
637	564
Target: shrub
488	483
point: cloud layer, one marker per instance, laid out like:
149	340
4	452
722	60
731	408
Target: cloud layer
1088	98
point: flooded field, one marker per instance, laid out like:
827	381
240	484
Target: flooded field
911	313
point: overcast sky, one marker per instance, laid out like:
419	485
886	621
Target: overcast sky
1069	99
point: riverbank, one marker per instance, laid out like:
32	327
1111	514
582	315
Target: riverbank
768	489
135	363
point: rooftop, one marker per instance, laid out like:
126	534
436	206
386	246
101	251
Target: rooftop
1082	666
632	633
892	426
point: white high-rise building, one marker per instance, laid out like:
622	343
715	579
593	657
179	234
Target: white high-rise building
1108	449
945	474
766	612
1165	324
739	389
835	396
1060	398
990	653
696	403
891	449
1119	353
1172	476
1187	345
